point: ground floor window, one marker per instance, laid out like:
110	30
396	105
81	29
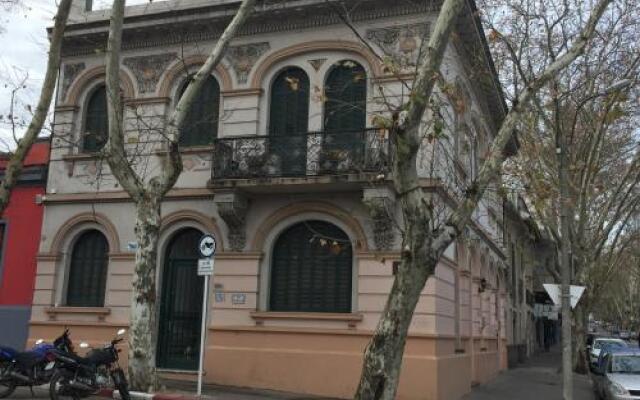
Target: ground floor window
311	269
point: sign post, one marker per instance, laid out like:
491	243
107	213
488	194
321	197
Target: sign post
207	249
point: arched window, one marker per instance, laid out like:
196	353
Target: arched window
96	123
311	269
88	270
346	98
289	120
201	125
344	116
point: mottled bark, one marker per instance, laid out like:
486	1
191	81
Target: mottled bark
148	194
17	157
422	245
143	335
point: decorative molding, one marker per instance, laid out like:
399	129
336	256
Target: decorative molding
302	207
148	69
187	31
147	100
315	46
99	312
242	58
180	68
91	75
242	92
232	208
207	222
350	318
83	218
401	43
70	72
380	204
123	197
317	63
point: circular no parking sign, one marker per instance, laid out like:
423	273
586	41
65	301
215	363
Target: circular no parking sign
207	246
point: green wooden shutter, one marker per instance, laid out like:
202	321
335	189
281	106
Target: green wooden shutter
309	273
88	270
346	98
201	125
289	120
96	125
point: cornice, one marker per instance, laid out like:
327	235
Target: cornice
206	28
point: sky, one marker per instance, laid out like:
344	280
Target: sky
23	55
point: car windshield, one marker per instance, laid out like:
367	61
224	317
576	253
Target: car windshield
609	343
626	364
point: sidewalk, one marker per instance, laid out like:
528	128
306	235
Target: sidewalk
539	378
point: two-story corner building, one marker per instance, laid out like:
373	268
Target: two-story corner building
284	164
19	240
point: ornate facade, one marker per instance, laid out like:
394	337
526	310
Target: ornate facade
291	177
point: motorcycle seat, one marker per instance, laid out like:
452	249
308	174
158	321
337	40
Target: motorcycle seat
27	358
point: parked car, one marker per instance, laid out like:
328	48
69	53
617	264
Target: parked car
618	376
594	351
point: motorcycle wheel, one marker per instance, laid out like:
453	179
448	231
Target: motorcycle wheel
121	384
59	390
7	385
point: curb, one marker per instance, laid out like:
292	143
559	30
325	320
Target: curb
114	394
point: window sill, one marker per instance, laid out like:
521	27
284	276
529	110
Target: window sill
188	150
350	318
80	156
100	312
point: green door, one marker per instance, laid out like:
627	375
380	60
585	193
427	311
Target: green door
289	120
181	304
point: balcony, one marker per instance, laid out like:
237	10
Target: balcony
355	154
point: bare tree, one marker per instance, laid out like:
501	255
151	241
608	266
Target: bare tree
24	144
591	108
424	237
148	193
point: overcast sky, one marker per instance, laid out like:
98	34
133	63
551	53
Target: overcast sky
23	53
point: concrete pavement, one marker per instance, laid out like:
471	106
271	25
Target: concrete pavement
539	378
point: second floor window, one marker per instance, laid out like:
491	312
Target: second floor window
201	126
96	124
346	98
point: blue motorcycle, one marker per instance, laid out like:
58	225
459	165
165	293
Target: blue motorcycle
30	368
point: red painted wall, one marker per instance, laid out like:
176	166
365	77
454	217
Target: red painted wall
23	218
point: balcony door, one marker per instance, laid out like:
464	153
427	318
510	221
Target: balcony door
289	121
345	116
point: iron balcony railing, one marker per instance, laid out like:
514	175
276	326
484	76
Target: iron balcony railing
311	154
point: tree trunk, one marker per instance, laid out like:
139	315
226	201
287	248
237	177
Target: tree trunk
580	323
383	357
143	337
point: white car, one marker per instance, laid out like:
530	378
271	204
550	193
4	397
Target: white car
619	376
598	343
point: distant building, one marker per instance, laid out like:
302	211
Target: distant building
284	164
19	241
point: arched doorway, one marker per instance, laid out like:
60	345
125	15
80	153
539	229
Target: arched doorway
181	303
311	269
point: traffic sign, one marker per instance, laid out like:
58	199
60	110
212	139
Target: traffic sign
207	246
205	267
554	292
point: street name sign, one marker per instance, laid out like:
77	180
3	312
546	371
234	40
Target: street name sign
554	292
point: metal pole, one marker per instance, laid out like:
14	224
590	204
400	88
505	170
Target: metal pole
203	332
565	267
